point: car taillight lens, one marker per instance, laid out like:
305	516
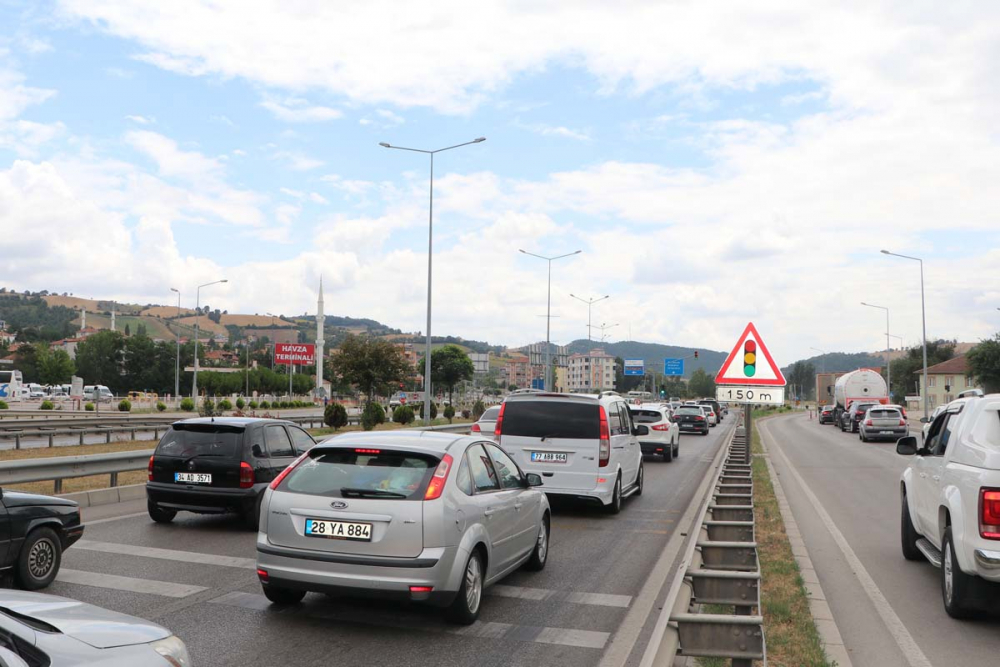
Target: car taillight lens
284	473
262	575
605	449
440	478
868	422
150	468
989	514
246	475
661	427
902	422
699	418
498	428
476	429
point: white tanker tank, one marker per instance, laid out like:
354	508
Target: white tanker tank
863	384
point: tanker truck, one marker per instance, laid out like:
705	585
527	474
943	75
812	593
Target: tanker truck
863	384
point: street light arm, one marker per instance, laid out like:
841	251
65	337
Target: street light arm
439	150
547	259
896	254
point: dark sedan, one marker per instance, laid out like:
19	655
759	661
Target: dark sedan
34	532
691	419
826	414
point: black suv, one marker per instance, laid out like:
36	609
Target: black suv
851	419
219	465
34	532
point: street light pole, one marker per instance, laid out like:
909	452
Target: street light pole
548	312
888	347
177	364
590	302
197	319
430	256
923	317
604	327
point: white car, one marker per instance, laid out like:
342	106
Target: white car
582	445
487	423
928	421
950	495
664	437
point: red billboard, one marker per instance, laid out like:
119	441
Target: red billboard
297	354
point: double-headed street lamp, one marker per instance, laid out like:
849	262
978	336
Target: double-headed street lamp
548	311
590	302
197	319
430	256
888	347
923	317
177	364
605	327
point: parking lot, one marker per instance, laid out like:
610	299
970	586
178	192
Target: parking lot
196	576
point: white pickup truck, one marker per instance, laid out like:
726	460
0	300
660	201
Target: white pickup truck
951	502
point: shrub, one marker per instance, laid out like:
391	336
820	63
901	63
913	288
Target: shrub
47	405
370	416
403	414
449	413
224	404
208	408
4	406
124	405
335	416
434	410
478	409
466	414
254	405
379	413
264	405
240	404
89	407
187	405
160	406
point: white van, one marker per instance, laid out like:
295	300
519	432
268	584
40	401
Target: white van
582	445
97	393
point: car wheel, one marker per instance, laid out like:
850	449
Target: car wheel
251	518
908	534
279	595
616	498
158	514
668	454
861	436
536	563
639	479
677	448
465	609
39	559
956	586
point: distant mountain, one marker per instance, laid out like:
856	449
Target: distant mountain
654	354
841	362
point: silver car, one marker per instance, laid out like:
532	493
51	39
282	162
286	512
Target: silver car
431	517
486	426
45	629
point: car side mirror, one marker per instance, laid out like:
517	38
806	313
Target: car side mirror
924	420
640	430
533	479
906	446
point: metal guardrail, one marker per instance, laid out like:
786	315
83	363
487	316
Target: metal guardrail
719	568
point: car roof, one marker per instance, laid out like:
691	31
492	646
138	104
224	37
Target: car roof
582	398
430	442
232	421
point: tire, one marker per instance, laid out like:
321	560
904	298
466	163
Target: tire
639	480
616	498
861	436
908	534
251	518
282	596
668	455
158	514
677	448
540	555
464	610
957	587
39	559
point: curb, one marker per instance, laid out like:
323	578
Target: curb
826	625
116	494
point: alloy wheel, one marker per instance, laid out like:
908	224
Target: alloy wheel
473	585
41	558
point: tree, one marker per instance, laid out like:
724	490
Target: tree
701	383
802	374
370	364
55	367
449	366
99	359
984	364
335	416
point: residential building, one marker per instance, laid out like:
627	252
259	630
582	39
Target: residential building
945	381
68	345
519	371
591	372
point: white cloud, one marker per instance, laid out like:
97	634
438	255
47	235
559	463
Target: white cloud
317	198
555	131
296	160
141	120
297	110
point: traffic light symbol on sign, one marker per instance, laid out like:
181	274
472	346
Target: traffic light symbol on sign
749	358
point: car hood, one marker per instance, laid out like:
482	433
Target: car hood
100	628
19	499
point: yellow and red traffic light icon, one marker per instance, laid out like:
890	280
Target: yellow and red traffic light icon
749	358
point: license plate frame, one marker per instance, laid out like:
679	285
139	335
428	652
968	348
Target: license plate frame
192	478
332	529
549	457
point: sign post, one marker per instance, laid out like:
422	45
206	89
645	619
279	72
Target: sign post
294	354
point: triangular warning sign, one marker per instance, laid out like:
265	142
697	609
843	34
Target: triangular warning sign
750	363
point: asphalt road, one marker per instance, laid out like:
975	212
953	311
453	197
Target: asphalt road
889	610
196	577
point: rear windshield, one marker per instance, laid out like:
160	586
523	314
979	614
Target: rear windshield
884	414
190	440
362	473
864	406
490	415
552	419
646	416
688	410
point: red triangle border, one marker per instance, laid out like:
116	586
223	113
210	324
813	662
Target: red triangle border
776	382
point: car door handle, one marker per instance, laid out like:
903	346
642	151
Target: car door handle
518	506
936	478
489	512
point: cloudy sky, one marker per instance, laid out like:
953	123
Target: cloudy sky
714	164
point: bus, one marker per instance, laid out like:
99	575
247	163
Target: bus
11	383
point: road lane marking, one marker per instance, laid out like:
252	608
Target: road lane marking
904	640
114	518
166	554
545	594
115	582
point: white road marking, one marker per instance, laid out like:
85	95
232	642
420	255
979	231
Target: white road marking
130	584
524	593
907	645
166	554
114	518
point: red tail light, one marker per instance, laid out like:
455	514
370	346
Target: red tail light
262	575
902	422
699	418
605	451
246	475
498	428
989	514
284	473
868	422
421	589
150	468
661	427
476	429
440	478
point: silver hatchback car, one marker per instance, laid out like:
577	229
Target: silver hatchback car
423	516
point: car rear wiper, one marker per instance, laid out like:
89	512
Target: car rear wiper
371	493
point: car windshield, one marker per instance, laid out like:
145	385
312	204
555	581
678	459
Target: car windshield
190	440
884	414
552	419
490	415
688	410
367	472
646	416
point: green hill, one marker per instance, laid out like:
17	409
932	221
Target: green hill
654	354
